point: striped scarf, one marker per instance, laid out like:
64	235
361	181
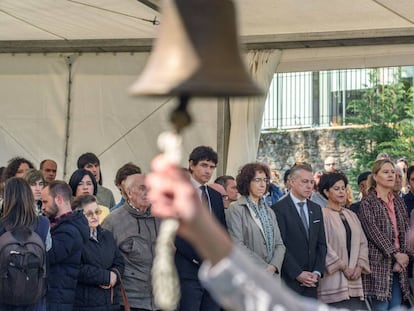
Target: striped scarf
262	212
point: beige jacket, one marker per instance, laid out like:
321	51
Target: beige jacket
247	232
334	286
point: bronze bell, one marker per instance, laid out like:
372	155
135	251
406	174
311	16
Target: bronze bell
196	53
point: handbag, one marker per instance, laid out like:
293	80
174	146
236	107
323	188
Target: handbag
122	288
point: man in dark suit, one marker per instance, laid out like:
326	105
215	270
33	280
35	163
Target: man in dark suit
301	226
202	163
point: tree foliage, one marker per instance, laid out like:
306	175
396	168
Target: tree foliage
384	116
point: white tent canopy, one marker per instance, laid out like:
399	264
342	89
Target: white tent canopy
66	65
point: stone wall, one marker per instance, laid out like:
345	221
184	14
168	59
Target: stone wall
283	148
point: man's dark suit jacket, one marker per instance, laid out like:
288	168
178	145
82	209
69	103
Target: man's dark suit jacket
187	259
301	254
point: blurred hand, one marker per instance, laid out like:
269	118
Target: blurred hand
171	194
356	274
402	259
271	269
397	268
113	278
307	279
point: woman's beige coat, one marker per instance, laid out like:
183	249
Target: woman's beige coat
334	286
246	231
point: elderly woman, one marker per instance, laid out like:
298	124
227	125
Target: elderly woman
252	224
101	262
83	182
385	221
347	256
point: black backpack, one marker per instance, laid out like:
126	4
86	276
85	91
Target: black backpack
22	267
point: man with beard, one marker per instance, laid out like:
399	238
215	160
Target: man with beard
69	231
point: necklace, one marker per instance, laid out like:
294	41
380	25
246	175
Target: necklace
336	209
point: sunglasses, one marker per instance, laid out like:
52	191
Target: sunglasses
91	213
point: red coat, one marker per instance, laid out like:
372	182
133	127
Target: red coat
378	229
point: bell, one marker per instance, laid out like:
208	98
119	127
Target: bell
196	53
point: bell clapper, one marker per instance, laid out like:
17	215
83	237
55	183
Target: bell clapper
179	117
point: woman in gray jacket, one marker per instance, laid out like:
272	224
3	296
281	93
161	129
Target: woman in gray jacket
251	223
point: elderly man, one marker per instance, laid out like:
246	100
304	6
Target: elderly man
330	165
135	231
121	175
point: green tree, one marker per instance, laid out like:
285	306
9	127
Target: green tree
384	119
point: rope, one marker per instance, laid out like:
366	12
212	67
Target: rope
166	286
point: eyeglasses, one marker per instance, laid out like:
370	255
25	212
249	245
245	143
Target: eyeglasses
259	180
91	213
330	164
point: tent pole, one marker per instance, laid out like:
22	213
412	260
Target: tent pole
70	59
223	134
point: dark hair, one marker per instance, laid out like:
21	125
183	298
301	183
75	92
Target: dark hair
77	177
363	176
286	176
59	187
32	175
18	205
81	200
246	175
201	153
328	180
124	171
223	180
13	166
87	158
410	170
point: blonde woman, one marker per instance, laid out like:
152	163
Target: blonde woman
384	218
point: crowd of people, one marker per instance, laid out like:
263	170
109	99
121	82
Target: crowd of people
310	236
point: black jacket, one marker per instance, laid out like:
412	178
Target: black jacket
98	259
302	253
68	237
187	260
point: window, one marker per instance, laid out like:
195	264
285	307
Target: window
319	99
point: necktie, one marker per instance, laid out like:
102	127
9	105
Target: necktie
204	196
303	216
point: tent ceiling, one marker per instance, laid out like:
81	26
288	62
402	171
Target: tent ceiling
114	25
